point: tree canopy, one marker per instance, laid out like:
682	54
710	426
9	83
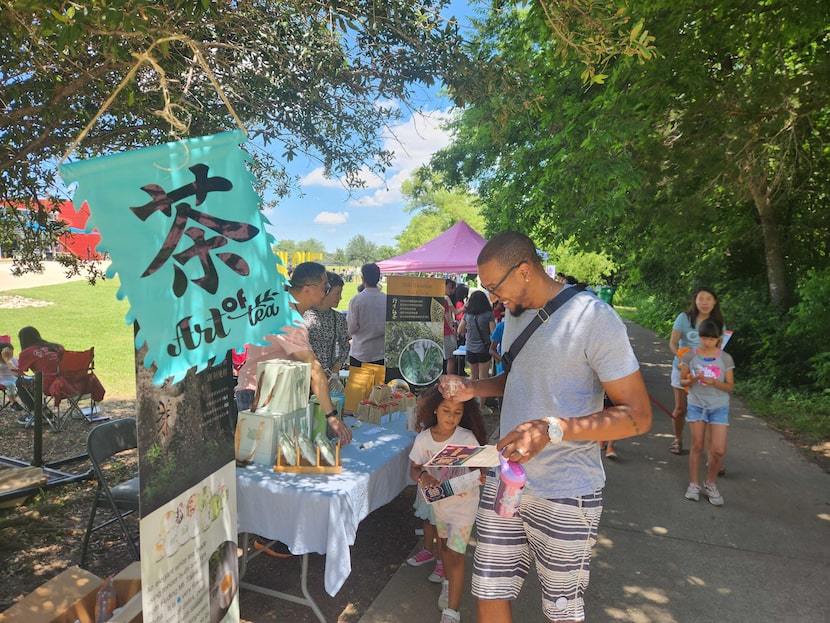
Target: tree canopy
300	75
705	162
436	208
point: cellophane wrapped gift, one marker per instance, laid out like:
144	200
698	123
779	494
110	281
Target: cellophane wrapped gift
257	434
282	386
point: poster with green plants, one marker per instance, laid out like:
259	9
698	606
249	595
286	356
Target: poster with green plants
415	329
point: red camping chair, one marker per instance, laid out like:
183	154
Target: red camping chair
76	383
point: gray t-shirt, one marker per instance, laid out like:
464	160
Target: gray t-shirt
478	342
559	373
708	396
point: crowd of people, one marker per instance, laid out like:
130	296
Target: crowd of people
566	386
571	384
567	381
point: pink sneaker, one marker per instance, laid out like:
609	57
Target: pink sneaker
421	558
437	574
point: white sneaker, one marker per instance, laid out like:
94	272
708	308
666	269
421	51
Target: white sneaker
448	615
715	498
693	492
444	597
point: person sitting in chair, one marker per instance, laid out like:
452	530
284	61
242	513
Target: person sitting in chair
37	355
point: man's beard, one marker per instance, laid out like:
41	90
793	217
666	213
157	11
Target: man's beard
518	311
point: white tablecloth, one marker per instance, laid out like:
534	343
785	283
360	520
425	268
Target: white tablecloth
320	512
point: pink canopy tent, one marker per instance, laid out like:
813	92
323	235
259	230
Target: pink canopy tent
454	251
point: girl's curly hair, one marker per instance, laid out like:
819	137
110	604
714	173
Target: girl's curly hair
471	420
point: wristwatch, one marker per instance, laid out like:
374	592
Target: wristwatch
554	430
331	414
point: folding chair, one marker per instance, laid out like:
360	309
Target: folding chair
76	383
104	442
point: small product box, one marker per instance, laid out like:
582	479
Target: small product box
281	386
257	434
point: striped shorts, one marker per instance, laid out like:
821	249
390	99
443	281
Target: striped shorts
558	534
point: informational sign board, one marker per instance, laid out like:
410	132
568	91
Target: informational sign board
188	496
414	329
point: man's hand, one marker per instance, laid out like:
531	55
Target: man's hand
343	432
525	441
453	387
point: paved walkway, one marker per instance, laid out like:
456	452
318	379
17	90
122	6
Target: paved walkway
763	556
53	273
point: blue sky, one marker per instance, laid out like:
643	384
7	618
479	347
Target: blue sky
328	212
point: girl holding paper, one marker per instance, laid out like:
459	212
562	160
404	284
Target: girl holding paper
457	423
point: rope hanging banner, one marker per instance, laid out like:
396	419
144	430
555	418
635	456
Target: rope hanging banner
166	112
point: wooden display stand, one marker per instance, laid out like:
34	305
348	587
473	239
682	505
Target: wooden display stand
304	467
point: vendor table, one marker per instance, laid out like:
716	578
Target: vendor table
320	512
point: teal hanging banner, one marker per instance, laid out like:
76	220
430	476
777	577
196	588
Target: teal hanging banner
182	226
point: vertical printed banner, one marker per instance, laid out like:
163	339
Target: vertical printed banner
182	226
414	329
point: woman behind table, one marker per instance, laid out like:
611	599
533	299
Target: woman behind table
327	329
457	423
37	355
478	325
705	305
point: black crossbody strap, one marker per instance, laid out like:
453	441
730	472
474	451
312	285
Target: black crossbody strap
543	315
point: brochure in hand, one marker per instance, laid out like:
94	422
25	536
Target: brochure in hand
450	487
465	456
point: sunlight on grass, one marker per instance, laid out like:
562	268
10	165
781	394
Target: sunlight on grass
82	316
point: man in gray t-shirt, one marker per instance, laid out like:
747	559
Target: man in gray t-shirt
552	418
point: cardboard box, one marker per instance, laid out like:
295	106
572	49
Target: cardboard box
68	596
369	412
128	589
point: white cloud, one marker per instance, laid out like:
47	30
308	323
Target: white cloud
381	197
317	178
331	218
413	142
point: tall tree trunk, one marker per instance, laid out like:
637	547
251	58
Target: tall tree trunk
771	232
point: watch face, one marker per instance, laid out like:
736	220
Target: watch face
554	431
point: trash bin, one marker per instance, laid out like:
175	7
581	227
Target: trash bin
606	293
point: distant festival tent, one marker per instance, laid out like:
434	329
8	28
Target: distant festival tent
454	251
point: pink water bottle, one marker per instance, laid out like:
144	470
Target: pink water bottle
511	482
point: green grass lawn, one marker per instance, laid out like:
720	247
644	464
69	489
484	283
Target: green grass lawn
82	316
